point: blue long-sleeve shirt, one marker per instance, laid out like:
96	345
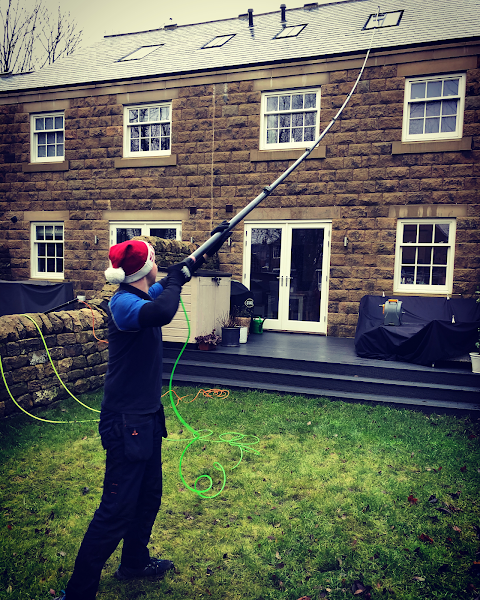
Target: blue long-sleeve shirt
133	382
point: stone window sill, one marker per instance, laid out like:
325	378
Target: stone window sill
440	146
262	155
152	161
44	167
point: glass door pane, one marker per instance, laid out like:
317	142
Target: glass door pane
265	270
305	274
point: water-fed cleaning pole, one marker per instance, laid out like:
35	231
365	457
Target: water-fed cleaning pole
197	258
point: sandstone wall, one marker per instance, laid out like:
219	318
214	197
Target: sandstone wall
215	138
79	358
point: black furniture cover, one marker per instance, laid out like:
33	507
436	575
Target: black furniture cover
17	297
432	329
241	299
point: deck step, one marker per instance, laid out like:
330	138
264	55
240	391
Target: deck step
425	389
332	395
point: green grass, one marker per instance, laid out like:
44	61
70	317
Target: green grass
324	505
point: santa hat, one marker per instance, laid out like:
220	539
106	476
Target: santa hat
130	261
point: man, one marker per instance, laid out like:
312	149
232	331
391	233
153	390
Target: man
132	421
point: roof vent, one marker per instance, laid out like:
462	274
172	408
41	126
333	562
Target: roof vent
310	5
250	17
282	8
172	26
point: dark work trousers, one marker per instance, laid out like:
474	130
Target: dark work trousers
132	493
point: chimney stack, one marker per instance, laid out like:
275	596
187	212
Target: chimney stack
282	8
250	17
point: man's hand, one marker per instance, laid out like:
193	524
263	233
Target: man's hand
180	272
219	229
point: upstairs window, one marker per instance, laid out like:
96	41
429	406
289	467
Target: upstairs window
220	40
390	19
424	256
47	137
433	108
290	119
291	31
147	130
140	52
47	250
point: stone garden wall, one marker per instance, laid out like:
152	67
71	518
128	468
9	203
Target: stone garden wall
79	358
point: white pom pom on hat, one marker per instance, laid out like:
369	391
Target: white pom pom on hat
115	275
130	261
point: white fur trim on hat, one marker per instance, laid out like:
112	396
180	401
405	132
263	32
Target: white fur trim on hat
115	275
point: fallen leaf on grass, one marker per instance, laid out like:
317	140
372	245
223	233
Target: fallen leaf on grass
418	578
305	598
426	539
412	500
463	469
444	510
455	528
358	588
277	555
433	499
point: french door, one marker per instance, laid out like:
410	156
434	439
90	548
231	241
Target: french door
286	266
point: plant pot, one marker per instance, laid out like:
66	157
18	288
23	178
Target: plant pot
475	356
243	334
203	346
230	336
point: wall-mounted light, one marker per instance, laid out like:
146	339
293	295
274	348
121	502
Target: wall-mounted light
345	241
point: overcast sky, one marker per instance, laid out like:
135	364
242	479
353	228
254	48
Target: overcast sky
105	17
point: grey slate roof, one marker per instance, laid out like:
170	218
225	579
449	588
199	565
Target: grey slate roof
332	29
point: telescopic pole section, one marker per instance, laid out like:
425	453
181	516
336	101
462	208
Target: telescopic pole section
196	258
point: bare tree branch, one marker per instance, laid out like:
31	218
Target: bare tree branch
34	38
59	38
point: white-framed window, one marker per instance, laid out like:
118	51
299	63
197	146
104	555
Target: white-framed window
141	52
218	41
121	231
433	108
391	19
424	256
291	31
147	129
47	250
47	137
290	119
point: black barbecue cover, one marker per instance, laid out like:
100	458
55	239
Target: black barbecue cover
432	329
241	299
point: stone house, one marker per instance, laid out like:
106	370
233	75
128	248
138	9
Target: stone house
169	131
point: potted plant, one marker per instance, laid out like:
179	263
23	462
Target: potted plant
208	342
230	330
475	356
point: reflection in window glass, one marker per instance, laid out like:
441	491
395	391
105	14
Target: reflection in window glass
149	129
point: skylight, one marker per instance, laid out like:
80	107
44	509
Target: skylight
140	52
292	31
390	19
220	40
